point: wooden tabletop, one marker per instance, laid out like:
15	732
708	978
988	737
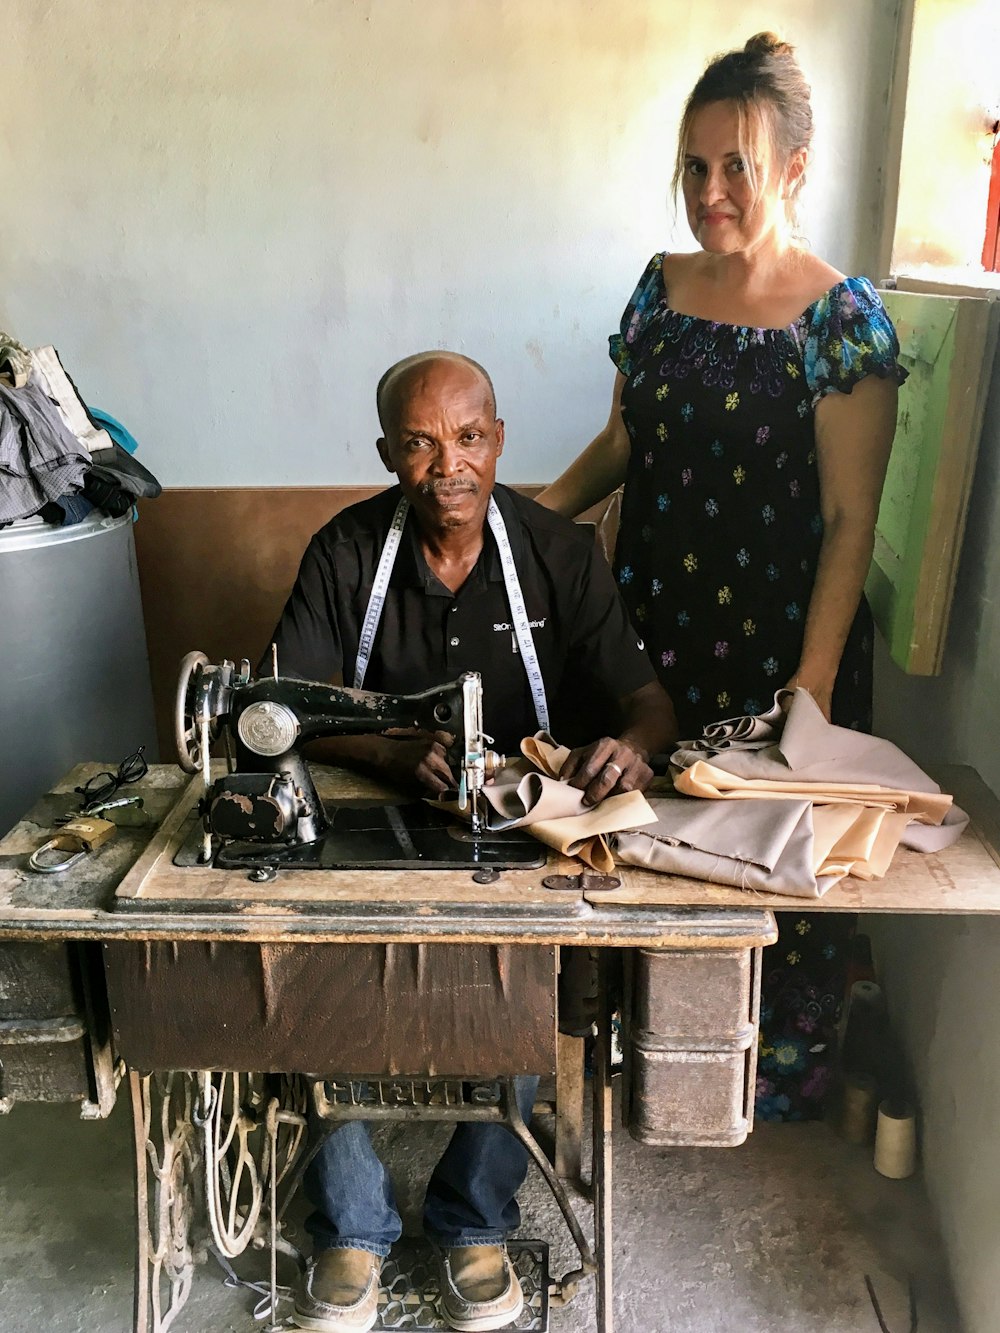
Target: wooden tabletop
388	906
414	906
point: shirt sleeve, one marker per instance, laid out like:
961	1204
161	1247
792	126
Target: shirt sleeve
604	642
622	345
308	634
850	337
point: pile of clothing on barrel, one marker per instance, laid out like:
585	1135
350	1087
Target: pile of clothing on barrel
59	458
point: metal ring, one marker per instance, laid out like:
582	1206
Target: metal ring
618	770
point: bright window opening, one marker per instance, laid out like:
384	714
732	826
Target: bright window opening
949	183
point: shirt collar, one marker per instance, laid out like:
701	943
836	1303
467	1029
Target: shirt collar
411	569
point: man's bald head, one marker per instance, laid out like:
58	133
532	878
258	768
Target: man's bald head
399	378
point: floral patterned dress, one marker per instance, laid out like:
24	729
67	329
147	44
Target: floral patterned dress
717	553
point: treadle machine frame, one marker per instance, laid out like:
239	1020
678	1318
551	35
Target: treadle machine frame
219	1158
219	980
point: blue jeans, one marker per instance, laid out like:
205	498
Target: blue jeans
470	1199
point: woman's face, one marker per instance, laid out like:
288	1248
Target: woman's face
719	200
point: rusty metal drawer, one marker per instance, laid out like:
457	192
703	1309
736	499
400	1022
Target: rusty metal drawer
43	1060
37	980
54	1029
690	1045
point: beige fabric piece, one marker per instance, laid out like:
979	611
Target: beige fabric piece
766	847
705	779
528	794
867	796
778	844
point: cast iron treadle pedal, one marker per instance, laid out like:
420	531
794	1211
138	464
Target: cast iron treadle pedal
409	1296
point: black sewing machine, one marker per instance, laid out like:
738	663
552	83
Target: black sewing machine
264	813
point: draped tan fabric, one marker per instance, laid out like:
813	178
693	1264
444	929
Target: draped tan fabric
707	780
528	794
790	805
851	800
771	844
767	846
791	751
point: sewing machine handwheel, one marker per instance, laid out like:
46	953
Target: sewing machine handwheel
187	733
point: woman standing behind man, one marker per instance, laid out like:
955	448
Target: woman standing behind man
751	421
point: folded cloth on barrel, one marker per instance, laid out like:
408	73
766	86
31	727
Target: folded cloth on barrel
528	794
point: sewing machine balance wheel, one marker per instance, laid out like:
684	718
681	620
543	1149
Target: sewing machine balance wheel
187	729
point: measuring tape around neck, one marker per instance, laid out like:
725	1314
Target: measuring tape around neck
376	601
518	615
515	599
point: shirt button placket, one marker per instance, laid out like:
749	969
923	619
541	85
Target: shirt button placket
453	639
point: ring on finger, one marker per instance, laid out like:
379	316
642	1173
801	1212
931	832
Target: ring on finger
618	770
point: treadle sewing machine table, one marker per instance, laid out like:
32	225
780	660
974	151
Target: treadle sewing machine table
192	976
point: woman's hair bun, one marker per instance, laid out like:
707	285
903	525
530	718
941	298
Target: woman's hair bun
766	44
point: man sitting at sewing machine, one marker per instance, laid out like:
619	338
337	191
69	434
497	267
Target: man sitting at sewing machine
442	574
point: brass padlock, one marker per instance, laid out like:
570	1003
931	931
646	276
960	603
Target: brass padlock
80	835
89	831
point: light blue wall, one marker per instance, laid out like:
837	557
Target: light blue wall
231	215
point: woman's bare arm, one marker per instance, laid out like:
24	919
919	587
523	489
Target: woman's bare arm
853	438
598	471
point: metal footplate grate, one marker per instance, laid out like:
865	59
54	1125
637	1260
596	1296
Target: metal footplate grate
409	1296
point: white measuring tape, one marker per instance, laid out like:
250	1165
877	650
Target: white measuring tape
515	599
518	615
376	602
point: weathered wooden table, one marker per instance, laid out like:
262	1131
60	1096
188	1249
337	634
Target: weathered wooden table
249	1014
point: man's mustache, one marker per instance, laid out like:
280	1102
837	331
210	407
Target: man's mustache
435	488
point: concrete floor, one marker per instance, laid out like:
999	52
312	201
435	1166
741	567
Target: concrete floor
777	1234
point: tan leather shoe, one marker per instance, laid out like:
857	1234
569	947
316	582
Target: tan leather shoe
479	1288
339	1293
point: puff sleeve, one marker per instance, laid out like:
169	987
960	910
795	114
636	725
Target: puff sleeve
635	320
850	336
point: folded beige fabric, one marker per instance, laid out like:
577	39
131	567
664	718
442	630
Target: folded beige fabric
777	844
528	794
705	779
868	797
765	846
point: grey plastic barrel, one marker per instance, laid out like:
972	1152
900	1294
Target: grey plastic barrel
74	674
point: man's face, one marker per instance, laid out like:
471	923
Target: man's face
443	443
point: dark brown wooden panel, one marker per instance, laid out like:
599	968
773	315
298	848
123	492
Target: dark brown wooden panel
43	1060
334	1009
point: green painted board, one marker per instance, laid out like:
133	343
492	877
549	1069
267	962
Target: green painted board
946	344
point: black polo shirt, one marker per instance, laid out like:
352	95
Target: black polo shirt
588	652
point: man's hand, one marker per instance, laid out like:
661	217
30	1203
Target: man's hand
606	768
418	757
404	758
